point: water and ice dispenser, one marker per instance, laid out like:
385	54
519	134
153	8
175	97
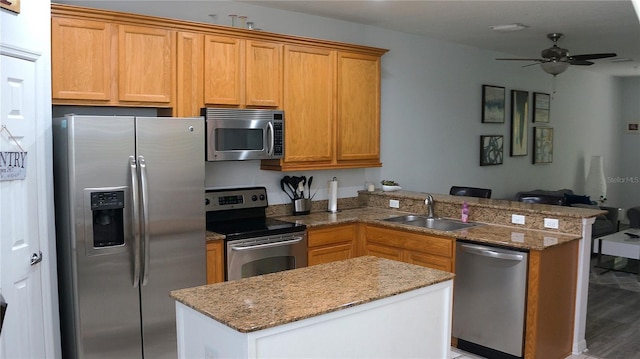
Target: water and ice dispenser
107	218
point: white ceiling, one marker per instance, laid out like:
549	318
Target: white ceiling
593	26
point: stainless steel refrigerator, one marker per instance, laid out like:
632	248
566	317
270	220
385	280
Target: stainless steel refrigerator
130	227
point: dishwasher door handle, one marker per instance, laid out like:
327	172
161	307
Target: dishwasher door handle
492	253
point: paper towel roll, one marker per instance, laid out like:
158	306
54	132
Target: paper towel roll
333	195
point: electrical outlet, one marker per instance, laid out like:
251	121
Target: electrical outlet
517	219
551	223
394	203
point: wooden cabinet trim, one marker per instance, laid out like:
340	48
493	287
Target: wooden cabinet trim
72	11
189	74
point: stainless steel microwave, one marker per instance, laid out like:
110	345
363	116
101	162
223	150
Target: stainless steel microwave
243	134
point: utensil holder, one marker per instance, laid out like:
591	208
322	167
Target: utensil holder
301	206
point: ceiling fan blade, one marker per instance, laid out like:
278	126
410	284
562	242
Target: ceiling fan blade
592	56
537	60
580	62
534	64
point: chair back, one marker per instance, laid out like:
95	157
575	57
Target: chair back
470	192
633	214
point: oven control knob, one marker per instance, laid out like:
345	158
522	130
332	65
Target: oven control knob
206	201
254	198
262	197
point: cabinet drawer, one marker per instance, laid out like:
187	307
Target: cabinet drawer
383	251
332	253
432	244
331	235
427	260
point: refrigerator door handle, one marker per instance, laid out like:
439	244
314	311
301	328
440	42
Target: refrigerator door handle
145	219
136	221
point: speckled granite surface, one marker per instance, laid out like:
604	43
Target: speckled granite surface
270	300
495	215
510	236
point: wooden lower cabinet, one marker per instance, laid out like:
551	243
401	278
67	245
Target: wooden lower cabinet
330	244
417	248
215	261
551	297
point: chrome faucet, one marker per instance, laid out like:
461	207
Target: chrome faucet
429	203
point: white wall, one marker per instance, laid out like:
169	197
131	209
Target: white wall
29	32
431	96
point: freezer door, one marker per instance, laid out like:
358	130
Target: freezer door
170	154
99	302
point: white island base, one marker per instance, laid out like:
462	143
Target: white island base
413	324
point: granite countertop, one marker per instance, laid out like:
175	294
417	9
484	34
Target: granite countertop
266	301
510	236
488	233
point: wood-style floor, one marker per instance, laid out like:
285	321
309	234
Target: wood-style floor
613	313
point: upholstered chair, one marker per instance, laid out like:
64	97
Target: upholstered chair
470	192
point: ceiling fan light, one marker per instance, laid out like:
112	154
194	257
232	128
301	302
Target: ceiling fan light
554	67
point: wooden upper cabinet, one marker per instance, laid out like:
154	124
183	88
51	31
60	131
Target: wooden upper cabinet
103	63
332	110
358	118
263	74
223	75
242	73
146	61
81	58
309	83
189	74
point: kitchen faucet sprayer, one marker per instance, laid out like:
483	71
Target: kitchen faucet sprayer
429	203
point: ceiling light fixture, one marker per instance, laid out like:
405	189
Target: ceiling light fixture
508	27
554	67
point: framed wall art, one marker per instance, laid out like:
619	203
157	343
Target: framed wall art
542	145
519	122
541	107
492	104
491	150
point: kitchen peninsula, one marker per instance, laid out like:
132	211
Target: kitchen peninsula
362	307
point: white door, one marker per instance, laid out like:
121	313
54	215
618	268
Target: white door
23	333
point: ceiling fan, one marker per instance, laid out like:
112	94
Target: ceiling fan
555	60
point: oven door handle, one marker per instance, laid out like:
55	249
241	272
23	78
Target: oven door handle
238	247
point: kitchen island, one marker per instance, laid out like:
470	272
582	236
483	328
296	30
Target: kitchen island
363	307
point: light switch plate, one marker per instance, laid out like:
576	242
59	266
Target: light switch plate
517	219
394	203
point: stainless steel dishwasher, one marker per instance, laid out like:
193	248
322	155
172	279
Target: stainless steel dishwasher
489	298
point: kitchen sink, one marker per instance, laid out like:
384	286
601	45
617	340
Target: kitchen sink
442	224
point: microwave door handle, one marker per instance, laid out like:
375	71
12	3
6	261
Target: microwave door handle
145	218
136	220
271	135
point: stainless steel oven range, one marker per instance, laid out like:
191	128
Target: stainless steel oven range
254	244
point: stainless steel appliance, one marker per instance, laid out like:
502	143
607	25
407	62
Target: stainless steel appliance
490	297
254	244
130	227
244	134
